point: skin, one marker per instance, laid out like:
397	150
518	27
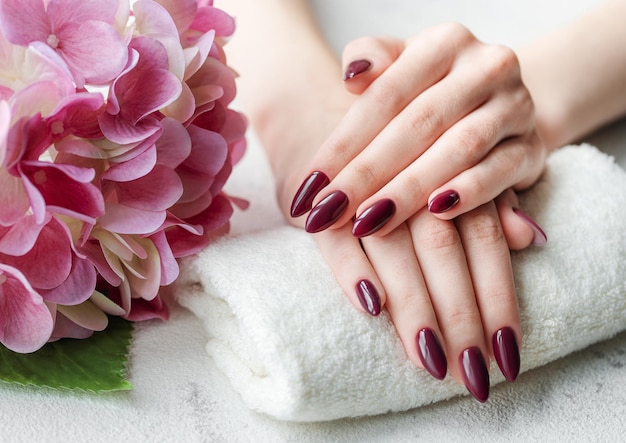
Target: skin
450	275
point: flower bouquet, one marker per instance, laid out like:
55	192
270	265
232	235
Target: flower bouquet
116	138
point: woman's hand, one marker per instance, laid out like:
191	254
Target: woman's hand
447	285
442	121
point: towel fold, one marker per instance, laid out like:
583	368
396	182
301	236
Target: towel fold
294	348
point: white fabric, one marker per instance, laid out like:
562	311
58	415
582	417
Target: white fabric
295	348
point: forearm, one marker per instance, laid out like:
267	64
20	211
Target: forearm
577	75
288	76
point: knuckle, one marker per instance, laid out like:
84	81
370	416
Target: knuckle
365	173
462	314
502	61
437	234
469	144
482	227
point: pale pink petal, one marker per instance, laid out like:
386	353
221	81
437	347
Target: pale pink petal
152	18
25	320
197	54
126	220
86	315
24	21
13	198
146	278
78	286
181	11
169	265
65	328
19	238
95	52
181	109
62	12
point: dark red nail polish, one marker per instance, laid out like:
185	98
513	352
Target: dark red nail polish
506	351
475	373
355	68
303	201
431	353
368	296
374	218
443	202
540	238
326	212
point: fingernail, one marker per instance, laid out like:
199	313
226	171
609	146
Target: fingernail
540	238
431	353
326	212
303	201
355	68
443	202
368	296
506	351
475	373
374	218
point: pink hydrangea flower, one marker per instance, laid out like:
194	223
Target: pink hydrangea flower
102	190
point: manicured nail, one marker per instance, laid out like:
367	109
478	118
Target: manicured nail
303	201
431	353
374	218
540	238
368	296
443	202
475	373
355	68
506	351
326	212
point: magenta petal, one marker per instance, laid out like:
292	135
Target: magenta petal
19	238
49	261
133	168
125	220
157	191
93	250
174	145
78	286
147	310
66	188
122	131
25	320
24	21
209	18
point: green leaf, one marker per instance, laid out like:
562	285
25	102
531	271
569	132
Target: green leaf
96	364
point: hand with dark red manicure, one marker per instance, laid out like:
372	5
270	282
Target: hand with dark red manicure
446	285
441	121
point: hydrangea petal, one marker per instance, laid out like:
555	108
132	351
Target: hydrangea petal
169	265
156	191
213	18
174	145
95	52
49	261
78	286
132	169
24	21
181	11
86	315
127	220
13	198
20	237
25	320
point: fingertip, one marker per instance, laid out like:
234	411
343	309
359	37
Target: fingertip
356	68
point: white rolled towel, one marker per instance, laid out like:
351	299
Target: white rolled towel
292	345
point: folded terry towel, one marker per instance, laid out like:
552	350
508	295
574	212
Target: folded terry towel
294	348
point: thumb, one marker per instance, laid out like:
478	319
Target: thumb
366	58
519	229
